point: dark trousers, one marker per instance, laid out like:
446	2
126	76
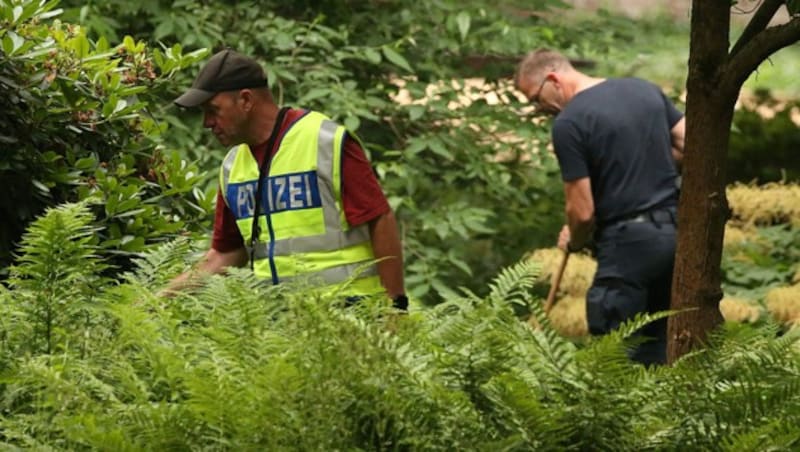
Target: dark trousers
634	274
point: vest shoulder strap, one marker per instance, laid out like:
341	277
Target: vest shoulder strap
225	169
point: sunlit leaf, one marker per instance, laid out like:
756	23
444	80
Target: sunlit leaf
463	21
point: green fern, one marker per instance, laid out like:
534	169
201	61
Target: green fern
513	284
777	434
239	364
56	279
742	381
156	266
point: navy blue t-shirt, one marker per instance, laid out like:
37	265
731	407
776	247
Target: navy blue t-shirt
617	133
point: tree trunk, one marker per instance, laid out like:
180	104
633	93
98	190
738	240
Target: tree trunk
703	206
715	78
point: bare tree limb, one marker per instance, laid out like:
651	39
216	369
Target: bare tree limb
758	49
757	23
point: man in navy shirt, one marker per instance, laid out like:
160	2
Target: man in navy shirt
619	143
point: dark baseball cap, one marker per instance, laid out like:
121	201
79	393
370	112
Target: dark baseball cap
227	70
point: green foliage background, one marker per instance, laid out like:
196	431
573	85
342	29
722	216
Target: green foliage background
91	358
79	123
443	173
444	168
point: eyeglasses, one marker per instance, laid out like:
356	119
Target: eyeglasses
535	98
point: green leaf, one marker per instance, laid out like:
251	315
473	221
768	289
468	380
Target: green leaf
396	58
129	43
352	123
316	93
438	148
110	105
129	213
134	245
453	258
441	287
42	187
102	45
121	104
372	55
86	163
16	14
8	45
81	46
463	21
163	29
793	6
419	291
415	112
50	14
12	42
415	145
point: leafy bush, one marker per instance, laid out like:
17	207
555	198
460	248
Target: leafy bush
753	267
438	162
764	141
760	255
79	123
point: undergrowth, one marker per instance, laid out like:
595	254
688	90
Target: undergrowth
241	365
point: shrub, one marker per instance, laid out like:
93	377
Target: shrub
437	162
79	123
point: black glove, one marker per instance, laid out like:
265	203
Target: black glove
400	302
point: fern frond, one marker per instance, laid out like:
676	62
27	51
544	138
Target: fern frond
742	377
639	321
468	294
513	284
778	434
160	263
57	251
526	417
57	277
555	350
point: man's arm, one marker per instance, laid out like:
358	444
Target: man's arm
678	133
213	262
580	212
386	244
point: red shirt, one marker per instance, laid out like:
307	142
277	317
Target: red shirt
362	196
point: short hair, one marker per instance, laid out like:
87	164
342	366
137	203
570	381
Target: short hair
535	64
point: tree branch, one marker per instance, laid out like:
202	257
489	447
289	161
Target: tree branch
759	49
757	23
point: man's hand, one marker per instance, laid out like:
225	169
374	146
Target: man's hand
563	238
386	246
677	136
213	262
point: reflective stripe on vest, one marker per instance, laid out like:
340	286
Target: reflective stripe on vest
306	235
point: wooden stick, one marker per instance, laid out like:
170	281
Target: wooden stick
551	296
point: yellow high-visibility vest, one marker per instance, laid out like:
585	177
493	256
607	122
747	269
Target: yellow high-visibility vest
304	234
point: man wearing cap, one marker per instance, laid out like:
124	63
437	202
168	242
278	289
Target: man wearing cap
298	199
618	143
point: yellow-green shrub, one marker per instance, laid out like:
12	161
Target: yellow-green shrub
577	276
783	304
739	310
767	204
568	316
736	235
